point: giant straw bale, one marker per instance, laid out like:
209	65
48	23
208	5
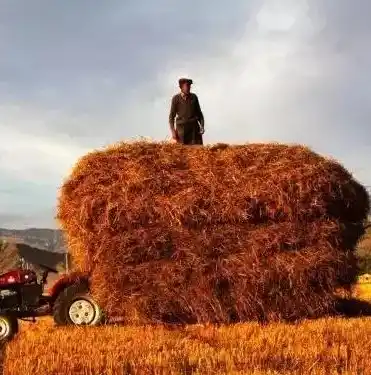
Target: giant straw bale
219	233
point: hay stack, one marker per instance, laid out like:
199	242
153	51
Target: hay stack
213	234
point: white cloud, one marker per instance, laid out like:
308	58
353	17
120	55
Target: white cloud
32	157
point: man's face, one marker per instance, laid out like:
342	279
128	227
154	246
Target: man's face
186	88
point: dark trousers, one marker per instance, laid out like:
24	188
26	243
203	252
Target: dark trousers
189	133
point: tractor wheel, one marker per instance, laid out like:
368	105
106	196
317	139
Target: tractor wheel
8	327
74	306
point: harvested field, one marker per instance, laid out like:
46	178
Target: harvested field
213	234
322	347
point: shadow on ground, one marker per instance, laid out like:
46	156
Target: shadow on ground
352	308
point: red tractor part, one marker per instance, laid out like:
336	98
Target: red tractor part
66	280
72	302
68	301
17	276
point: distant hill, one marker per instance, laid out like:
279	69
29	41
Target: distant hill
9	257
37	246
45	239
13	254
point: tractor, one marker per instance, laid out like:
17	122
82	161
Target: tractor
22	296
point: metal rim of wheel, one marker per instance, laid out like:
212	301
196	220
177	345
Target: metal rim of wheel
82	312
5	329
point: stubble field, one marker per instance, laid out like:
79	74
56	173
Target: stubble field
326	346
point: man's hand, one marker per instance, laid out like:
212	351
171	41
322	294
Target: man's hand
174	135
202	130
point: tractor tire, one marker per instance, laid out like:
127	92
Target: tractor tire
74	306
8	327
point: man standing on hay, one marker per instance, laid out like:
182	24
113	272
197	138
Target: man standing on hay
186	118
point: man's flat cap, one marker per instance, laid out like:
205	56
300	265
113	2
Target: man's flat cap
185	80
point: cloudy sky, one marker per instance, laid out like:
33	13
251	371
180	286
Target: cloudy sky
79	74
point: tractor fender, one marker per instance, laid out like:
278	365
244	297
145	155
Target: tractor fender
66	280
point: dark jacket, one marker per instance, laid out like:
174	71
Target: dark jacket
185	110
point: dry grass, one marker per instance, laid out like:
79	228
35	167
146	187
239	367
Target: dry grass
213	234
318	347
322	347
